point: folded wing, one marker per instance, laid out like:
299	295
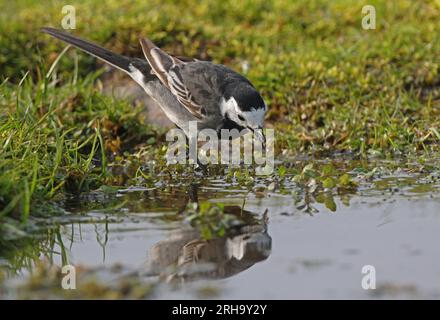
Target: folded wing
172	73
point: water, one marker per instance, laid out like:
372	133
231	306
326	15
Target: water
286	246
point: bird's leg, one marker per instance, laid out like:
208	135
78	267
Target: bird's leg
192	197
187	149
192	192
200	165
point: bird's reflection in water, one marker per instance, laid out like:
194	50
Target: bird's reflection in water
185	256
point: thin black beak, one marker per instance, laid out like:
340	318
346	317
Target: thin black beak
259	134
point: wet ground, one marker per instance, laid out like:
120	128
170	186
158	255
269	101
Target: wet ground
278	241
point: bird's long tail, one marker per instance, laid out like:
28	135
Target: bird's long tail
121	62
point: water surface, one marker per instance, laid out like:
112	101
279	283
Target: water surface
285	243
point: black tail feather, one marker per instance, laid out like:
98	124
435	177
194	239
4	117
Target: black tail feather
114	59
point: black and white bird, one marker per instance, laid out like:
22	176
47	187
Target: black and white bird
186	89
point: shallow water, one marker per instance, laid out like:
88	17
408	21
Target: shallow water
285	246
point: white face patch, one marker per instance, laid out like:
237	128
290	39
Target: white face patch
230	107
253	118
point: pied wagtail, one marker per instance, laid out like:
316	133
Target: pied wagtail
187	89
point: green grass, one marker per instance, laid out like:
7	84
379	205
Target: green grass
54	140
330	85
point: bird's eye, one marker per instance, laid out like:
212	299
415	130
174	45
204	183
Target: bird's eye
240	117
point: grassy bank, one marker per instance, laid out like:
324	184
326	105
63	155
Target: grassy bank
330	85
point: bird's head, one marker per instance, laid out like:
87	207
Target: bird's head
245	106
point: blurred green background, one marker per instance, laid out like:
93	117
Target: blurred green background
315	65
